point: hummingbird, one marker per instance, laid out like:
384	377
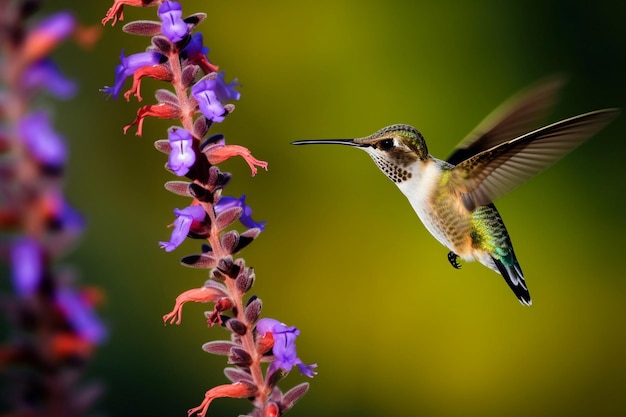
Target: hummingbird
454	197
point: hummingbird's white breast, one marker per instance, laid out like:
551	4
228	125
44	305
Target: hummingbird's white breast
438	209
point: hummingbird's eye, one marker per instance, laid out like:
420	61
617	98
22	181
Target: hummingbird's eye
386	144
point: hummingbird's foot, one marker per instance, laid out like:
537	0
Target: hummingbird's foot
453	259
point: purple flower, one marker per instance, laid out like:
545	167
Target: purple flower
44	144
70	219
210	106
46	36
182	156
62	216
80	314
196	53
246	217
57	26
195	46
182	225
210	92
129	65
45	74
284	348
226	91
173	26
27	266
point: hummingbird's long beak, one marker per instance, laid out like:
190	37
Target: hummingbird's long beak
349	142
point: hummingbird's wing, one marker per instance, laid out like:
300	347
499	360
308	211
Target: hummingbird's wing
516	116
494	172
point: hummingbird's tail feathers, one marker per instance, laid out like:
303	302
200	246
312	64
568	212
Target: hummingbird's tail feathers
514	277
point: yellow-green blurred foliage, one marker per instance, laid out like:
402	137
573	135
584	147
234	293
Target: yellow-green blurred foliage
395	330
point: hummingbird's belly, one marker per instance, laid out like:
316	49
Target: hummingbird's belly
451	226
441	211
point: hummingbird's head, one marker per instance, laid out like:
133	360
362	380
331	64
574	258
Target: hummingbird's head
395	149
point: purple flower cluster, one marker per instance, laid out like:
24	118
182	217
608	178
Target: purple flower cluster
200	98
54	324
45	148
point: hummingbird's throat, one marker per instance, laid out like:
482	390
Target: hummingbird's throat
395	172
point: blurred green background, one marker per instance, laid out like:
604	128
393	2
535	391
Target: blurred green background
394	329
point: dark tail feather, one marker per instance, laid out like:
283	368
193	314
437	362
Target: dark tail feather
515	279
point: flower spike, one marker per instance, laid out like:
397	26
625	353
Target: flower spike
199	98
50	329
